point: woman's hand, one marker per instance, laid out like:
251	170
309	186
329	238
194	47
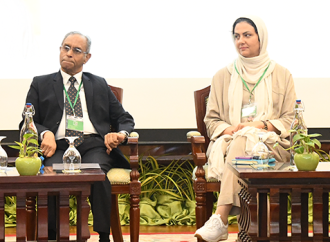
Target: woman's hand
256	124
232	129
229	130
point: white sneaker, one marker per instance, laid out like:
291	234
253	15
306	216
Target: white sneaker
213	230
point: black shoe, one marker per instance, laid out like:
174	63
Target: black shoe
104	237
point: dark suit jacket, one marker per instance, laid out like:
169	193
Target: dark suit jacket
46	94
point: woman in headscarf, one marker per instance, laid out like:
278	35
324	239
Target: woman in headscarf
252	94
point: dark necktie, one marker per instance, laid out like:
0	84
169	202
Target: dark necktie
72	93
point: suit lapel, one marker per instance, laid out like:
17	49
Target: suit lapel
88	88
58	87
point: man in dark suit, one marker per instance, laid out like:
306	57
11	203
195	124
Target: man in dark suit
96	107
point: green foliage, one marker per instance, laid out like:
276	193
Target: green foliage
28	147
173	179
307	143
167	194
304	142
10	211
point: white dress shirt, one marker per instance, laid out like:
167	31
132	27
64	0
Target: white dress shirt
88	126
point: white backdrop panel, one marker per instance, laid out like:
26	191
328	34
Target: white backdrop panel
153	47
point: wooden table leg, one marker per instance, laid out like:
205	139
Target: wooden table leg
304	215
283	214
263	215
42	216
248	220
31	220
317	214
20	216
2	217
325	214
274	227
82	216
296	214
64	209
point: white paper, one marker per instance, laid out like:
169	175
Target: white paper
9	171
60	166
323	166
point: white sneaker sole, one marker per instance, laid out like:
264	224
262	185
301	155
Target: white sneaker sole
221	238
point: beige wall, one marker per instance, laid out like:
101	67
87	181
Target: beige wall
160	103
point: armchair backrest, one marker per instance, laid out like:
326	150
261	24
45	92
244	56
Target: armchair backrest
201	99
118	92
119	95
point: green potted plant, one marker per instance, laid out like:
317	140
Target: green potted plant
28	163
307	149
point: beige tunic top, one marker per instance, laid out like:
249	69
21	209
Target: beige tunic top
284	96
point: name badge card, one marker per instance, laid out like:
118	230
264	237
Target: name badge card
249	111
75	123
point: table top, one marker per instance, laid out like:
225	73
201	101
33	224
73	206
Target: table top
55	176
280	170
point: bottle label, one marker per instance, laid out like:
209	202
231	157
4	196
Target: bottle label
74	123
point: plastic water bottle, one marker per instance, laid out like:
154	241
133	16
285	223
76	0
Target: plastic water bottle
28	125
297	124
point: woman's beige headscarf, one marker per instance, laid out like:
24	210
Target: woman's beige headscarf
251	69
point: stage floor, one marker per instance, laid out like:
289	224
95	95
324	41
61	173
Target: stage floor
143	230
150	233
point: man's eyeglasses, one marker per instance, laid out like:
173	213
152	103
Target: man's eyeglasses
75	50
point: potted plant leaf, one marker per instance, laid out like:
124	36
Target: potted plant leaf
307	150
28	163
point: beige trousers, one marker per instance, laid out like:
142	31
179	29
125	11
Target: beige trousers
229	182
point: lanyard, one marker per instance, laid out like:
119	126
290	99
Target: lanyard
255	84
75	101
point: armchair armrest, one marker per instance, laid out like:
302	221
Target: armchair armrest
193	133
125	176
197	141
132	142
134	135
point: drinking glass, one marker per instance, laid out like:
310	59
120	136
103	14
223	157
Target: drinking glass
71	157
261	150
3	157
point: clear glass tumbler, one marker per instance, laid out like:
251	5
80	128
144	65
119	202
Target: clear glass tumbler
71	157
3	157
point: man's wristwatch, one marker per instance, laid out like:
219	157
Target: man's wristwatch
124	133
265	123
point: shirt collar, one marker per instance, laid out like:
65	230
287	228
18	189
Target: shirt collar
66	77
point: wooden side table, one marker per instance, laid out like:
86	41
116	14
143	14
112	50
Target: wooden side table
41	186
265	219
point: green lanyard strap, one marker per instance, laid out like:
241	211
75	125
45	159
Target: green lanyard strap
255	84
75	100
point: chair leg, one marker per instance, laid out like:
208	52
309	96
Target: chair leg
200	209
209	204
115	220
135	218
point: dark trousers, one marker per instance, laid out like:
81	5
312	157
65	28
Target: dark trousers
92	150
